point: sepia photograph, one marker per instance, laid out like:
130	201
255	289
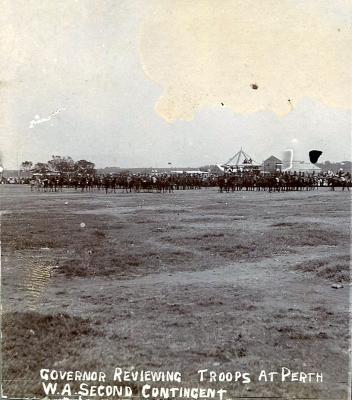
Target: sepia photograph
175	195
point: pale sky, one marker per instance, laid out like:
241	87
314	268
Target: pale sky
140	83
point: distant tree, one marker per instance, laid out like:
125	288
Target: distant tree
84	167
61	164
40	168
65	165
26	165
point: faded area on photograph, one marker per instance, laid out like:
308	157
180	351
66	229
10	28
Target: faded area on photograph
175	199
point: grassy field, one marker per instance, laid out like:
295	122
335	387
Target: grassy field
196	279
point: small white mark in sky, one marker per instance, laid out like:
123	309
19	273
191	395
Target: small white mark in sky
37	120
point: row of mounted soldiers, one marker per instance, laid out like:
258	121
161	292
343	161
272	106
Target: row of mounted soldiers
283	182
168	183
127	182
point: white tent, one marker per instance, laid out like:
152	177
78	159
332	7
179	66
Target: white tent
302	166
241	160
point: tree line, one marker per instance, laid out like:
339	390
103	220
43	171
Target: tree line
63	165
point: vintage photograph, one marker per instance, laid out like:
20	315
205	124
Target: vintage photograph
175	192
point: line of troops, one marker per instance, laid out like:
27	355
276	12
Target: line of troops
112	182
167	183
282	182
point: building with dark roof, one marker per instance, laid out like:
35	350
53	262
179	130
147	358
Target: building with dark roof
272	164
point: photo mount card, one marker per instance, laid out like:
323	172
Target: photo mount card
175	192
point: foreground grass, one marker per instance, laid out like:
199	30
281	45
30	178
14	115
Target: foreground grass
31	341
273	319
